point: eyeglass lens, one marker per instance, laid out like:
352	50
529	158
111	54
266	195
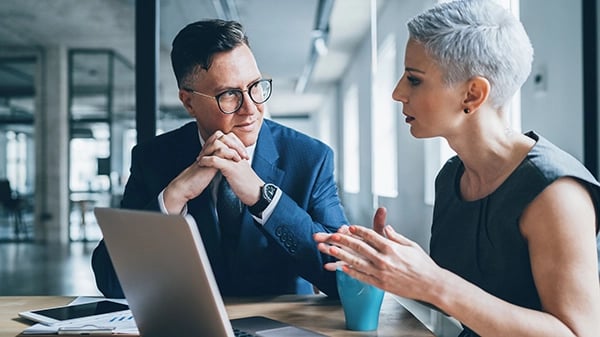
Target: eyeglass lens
231	100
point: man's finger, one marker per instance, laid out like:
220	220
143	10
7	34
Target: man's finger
234	143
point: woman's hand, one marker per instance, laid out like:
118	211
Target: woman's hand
388	260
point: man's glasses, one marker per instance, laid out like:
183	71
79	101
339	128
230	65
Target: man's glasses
231	100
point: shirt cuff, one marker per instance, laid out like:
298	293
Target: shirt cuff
163	208
269	210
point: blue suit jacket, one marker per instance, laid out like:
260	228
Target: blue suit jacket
269	259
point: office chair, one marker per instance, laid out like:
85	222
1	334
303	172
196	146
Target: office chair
13	205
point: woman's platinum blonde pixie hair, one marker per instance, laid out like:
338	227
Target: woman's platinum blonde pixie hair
470	38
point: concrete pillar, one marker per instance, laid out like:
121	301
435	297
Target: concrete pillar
51	137
116	158
3	153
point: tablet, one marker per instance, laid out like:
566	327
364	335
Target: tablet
75	312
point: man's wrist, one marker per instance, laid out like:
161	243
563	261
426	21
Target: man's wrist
267	193
172	204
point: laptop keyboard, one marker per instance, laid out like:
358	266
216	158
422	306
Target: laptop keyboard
241	333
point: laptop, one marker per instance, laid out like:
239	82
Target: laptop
167	279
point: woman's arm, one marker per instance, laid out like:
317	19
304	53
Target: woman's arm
560	228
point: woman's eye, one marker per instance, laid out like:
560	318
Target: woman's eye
413	80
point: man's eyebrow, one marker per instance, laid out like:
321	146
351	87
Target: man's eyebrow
414	70
222	88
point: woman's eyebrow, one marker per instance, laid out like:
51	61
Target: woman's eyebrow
414	70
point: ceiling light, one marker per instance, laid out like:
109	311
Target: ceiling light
318	43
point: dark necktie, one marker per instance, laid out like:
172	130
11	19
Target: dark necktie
229	210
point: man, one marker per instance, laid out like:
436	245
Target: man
283	179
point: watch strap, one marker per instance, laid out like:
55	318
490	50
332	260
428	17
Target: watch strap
267	192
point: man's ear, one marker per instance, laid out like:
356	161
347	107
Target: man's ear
478	90
186	99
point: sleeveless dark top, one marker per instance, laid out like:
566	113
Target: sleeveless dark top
480	240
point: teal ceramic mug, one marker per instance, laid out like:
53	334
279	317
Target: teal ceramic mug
361	302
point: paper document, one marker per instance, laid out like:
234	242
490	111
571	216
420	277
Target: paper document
121	323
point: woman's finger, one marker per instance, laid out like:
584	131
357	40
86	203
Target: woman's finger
379	220
374	239
350	258
397	237
354	243
321	237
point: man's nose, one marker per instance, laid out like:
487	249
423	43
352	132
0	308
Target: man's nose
248	106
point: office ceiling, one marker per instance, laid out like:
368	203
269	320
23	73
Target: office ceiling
280	35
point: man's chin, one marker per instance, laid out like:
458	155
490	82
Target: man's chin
248	136
248	139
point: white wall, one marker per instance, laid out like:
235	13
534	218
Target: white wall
555	108
408	213
359	206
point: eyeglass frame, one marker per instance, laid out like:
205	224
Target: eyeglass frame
248	90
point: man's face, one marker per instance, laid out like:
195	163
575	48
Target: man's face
234	69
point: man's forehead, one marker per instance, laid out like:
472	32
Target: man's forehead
234	68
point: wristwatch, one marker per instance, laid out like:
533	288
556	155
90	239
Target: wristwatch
267	192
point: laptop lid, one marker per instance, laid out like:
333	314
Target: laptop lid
167	279
165	273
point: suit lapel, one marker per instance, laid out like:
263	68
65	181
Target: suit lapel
264	164
266	155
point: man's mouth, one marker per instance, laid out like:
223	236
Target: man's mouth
246	125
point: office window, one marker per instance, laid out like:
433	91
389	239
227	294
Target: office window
16	156
86	147
437	150
351	141
384	138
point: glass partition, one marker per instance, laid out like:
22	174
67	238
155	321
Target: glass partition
101	111
17	155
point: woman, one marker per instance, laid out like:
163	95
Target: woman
513	243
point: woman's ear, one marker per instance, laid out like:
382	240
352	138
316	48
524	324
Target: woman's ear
478	90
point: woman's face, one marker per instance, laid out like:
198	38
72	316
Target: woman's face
431	107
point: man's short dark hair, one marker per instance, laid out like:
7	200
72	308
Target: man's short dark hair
196	44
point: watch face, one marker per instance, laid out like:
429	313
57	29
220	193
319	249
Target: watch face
269	191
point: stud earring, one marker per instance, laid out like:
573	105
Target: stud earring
466	110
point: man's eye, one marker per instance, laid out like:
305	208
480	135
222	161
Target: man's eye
229	94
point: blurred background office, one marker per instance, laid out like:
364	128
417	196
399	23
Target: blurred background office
81	82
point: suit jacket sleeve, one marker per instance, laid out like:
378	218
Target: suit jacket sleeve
298	215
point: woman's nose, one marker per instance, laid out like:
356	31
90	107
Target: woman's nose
397	94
